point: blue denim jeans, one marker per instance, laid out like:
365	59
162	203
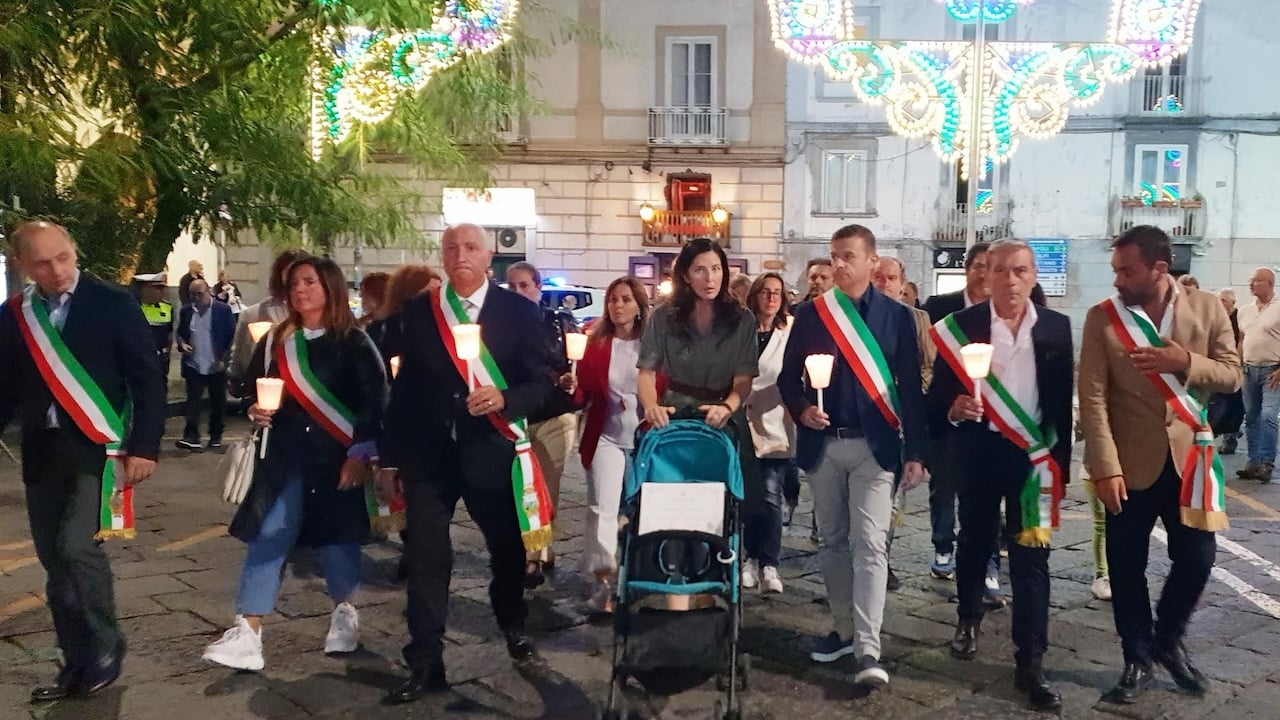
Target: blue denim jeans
1261	410
264	560
763	530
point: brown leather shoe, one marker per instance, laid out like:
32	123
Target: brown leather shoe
964	646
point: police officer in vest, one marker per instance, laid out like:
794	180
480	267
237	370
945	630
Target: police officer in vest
159	314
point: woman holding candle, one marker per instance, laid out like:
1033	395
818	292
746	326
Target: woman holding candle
773	433
307	489
705	344
605	383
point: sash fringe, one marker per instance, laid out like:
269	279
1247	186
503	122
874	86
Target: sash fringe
1035	537
537	539
387	524
1208	520
122	534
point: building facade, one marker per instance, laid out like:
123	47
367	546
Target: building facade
1187	147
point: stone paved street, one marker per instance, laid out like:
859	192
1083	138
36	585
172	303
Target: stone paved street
175	584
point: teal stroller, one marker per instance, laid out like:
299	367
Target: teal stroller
684	470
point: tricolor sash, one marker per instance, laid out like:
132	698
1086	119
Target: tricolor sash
1044	487
533	502
78	394
1203	496
334	416
861	350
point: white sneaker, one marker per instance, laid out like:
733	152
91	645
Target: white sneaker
750	574
344	630
239	648
770	583
1102	588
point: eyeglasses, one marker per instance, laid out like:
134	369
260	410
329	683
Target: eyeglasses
770	293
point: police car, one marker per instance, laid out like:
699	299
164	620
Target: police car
586	303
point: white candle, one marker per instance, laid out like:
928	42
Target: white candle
395	366
258	330
270	394
575	345
819	367
466	339
977	365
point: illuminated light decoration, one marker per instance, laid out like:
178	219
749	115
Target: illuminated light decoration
805	29
1025	89
1157	30
986	201
359	75
991	11
1168	104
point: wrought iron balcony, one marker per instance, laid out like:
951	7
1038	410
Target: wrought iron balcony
688	126
1182	219
671	229
1165	96
992	222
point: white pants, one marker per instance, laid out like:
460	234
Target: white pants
604	495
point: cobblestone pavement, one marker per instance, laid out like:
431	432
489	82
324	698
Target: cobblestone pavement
175	584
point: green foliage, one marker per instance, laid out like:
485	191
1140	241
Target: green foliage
132	120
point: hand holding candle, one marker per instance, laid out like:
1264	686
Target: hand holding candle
466	339
258	330
270	395
575	346
977	365
819	368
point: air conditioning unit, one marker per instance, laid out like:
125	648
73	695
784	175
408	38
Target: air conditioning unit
508	240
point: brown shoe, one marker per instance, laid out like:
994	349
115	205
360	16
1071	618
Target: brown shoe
1263	473
1247	472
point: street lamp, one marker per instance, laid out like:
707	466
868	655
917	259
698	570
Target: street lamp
719	215
647	213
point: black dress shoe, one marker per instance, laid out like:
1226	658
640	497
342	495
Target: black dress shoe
1031	680
62	686
418	686
520	646
1184	674
100	675
533	576
964	646
893	583
1134	681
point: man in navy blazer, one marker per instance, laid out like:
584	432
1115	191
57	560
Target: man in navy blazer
206	328
851	452
1033	361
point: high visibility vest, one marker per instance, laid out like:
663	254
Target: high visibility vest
158	314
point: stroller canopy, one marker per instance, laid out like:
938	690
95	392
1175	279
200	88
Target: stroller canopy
685	451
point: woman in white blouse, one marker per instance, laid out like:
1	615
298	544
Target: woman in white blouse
772	432
606	385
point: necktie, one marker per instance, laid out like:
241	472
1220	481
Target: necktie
58	310
472	310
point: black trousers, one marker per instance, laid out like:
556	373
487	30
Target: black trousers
63	478
479	473
1190	550
994	469
197	386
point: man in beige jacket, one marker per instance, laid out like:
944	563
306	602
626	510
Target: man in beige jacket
1137	445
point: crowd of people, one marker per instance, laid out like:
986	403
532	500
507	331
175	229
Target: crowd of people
384	416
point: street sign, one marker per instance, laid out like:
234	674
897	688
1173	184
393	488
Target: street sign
1051	265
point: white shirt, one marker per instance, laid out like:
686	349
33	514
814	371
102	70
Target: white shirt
475	301
1260	327
968	301
622	417
1014	361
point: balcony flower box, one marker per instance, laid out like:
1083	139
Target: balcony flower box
1192	203
1131	202
1165	204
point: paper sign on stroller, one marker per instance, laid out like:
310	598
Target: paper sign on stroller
697	507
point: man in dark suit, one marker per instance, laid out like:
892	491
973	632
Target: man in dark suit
206	328
445	442
1017	444
942	482
874	424
104	330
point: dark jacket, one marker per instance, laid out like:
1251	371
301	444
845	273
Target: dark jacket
107	333
895	329
350	368
222	330
1055	376
429	397
555	323
940	306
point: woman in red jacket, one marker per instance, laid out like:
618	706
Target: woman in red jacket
606	384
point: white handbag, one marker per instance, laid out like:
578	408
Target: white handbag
237	464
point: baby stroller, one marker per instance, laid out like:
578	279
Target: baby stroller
661	555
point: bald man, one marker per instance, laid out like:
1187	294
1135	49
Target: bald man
1260	331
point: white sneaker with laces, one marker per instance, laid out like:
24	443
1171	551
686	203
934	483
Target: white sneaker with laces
239	648
750	574
344	630
1102	588
770	583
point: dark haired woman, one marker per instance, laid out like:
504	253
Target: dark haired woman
307	489
704	342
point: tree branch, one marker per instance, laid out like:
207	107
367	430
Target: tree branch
278	30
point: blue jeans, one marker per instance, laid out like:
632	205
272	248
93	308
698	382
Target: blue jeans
1261	410
265	557
763	531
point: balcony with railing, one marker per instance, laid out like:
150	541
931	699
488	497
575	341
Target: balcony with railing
1183	219
992	222
1166	96
672	229
688	126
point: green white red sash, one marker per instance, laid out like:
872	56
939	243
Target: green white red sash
533	502
78	394
1044	487
861	350
335	417
1203	496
